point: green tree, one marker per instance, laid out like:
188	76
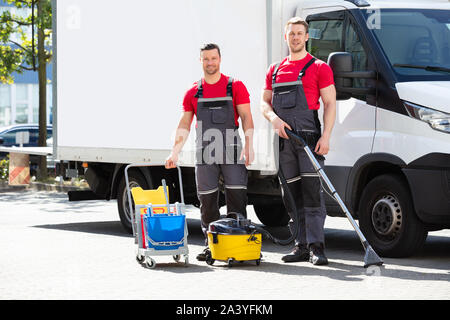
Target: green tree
24	39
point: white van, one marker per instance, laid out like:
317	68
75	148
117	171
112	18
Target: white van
390	147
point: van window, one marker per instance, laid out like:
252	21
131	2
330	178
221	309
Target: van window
353	45
34	137
9	138
325	37
414	40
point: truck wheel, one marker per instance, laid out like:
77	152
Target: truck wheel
387	217
273	215
136	179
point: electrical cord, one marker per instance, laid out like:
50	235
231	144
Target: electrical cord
293	215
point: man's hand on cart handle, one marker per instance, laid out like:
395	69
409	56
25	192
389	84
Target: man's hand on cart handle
171	161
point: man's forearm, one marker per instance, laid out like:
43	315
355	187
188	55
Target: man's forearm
248	127
181	136
182	132
329	116
266	106
267	111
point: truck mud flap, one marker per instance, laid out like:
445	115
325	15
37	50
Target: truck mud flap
81	195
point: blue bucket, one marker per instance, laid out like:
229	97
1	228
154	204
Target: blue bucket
163	228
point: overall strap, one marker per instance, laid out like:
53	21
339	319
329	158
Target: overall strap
230	87
302	72
199	93
275	71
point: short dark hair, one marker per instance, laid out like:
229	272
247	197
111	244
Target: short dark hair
297	20
210	46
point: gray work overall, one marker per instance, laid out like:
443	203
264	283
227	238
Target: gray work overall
289	103
218	149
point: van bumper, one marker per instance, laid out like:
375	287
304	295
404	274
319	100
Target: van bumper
429	181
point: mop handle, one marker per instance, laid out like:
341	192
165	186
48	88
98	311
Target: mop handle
321	172
165	194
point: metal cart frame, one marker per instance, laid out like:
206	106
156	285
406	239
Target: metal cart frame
144	255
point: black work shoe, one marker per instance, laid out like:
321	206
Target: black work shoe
300	253
317	254
202	256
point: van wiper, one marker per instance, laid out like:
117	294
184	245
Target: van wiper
427	68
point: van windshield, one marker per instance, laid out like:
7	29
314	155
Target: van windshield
415	41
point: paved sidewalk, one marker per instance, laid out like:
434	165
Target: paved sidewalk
51	248
38	186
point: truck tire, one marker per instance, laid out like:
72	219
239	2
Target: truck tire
387	217
272	215
136	179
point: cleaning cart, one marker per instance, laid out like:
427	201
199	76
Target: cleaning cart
159	228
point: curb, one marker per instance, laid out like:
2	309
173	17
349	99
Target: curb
39	186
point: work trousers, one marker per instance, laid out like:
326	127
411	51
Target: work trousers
305	187
207	178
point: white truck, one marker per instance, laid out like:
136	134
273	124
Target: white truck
121	69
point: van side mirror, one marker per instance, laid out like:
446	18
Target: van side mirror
341	64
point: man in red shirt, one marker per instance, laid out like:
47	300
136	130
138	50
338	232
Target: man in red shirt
290	100
217	101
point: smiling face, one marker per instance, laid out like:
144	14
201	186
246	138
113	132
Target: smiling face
296	37
210	60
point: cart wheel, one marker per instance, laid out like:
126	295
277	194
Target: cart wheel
176	258
186	260
150	263
258	262
140	259
209	260
230	262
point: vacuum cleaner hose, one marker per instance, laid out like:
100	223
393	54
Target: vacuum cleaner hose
293	215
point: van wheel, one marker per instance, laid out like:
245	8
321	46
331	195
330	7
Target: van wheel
387	217
136	179
272	215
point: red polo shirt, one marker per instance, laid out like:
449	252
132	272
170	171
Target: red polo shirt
318	76
216	90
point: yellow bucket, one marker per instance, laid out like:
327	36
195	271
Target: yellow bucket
234	247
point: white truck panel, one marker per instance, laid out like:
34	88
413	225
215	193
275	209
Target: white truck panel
123	69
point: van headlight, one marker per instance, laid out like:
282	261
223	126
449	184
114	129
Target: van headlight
436	119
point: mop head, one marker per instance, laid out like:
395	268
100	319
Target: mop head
371	258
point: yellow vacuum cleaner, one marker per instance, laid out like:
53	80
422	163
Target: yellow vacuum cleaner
232	240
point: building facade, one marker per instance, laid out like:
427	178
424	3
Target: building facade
19	102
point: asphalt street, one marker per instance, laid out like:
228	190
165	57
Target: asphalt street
55	249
